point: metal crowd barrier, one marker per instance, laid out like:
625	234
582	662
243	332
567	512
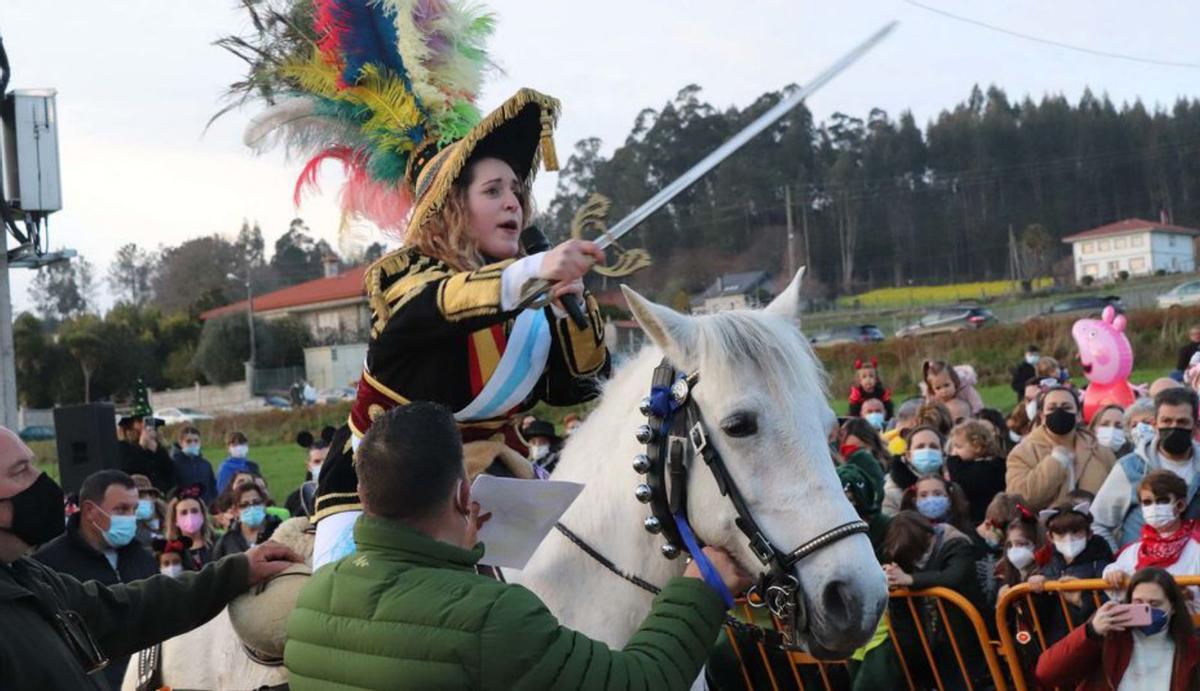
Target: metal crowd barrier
758	664
1022	593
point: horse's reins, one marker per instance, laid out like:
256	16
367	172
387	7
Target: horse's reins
667	437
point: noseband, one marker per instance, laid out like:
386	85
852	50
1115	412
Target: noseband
674	434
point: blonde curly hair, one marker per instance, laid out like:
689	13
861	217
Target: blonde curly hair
445	235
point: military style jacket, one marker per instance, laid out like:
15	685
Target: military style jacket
440	335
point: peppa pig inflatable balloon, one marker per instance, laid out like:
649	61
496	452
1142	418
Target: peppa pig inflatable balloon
1107	361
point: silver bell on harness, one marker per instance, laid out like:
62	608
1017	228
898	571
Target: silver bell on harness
645	434
641	463
652	525
670	551
646	408
643	493
680	391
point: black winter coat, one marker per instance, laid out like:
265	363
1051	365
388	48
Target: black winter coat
155	465
122	619
70	554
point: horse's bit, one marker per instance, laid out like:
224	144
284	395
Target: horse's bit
668	436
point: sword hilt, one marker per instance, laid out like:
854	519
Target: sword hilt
534	241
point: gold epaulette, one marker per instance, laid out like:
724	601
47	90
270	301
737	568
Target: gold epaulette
395	278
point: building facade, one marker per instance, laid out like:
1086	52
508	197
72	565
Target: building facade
1136	246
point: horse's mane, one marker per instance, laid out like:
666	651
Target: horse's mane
770	344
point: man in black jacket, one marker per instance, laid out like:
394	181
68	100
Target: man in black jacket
99	544
57	633
142	452
1025	371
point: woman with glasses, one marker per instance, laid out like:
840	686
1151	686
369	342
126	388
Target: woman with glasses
253	524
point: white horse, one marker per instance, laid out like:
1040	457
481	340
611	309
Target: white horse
753	366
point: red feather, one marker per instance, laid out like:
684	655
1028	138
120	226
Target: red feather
308	175
384	204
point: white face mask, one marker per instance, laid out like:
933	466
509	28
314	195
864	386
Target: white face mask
1020	557
1016	438
1158	515
239	451
1031	410
316	472
172	570
1032	358
1070	547
539	452
1112	437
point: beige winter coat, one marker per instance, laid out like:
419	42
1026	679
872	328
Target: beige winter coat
1043	481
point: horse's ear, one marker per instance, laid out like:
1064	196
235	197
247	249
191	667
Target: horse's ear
671	331
787	303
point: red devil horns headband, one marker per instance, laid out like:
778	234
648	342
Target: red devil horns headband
874	362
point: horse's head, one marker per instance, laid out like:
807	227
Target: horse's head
762	395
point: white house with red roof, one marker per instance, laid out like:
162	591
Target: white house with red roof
1135	245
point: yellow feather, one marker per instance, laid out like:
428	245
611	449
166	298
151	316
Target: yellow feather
314	75
391	103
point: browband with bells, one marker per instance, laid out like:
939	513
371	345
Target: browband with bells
668	437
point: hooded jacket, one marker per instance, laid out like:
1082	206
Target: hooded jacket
1118	516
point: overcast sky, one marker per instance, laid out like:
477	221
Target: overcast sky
137	80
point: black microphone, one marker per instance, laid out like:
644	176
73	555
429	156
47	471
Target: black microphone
534	241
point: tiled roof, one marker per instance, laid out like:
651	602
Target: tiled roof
735	284
346	285
1131	225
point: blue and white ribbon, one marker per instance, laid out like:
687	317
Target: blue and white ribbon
520	367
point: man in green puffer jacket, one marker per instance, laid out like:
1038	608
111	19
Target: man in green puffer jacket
407	611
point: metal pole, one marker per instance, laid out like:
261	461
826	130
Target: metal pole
791	232
8	366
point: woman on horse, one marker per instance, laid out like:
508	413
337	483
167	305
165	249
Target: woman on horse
393	89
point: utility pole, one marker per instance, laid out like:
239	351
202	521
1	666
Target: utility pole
804	227
8	365
791	231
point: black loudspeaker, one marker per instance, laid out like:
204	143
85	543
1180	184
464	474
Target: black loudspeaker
87	442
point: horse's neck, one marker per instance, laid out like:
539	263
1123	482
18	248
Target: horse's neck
583	594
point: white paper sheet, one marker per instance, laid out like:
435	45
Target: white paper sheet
523	512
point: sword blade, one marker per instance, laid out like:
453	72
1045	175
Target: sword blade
724	151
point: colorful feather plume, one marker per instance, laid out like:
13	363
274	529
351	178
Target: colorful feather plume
364	83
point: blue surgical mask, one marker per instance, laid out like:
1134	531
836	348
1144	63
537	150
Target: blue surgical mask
876	420
1032	358
1158	622
145	509
934	507
254	516
926	461
316	472
121	530
1142	432
192	449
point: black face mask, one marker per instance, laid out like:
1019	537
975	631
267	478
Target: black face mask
37	512
1060	421
1175	440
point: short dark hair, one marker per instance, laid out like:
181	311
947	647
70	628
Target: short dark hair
188	429
236	438
1175	396
1163	483
408	461
96	485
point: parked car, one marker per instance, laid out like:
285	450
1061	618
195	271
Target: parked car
1182	294
178	416
36	433
277	402
1081	306
948	320
859	333
336	394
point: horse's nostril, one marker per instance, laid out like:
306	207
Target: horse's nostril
840	604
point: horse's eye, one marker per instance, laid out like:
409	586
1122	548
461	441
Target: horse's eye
740	424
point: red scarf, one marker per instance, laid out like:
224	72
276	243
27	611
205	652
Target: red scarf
1156	550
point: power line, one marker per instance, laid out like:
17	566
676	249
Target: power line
1051	42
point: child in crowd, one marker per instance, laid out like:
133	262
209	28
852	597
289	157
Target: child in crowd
1167	541
859	444
940	501
1024	553
237	461
170	554
976	464
1078	554
999	426
936	415
867	385
944	383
